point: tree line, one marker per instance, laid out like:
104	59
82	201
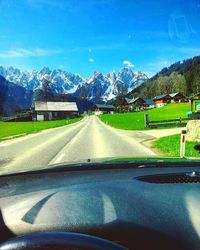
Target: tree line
181	77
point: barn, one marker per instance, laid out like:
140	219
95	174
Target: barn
54	110
178	97
161	100
136	104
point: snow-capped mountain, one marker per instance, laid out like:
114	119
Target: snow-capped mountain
61	81
98	87
101	87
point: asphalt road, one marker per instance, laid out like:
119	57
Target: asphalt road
87	139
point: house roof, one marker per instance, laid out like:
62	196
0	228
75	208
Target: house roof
135	99
55	106
128	100
149	101
158	97
174	94
108	106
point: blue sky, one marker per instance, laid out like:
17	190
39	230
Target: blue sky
83	36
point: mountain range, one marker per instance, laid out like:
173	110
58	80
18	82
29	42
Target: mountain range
98	87
20	88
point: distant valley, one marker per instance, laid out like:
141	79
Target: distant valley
20	88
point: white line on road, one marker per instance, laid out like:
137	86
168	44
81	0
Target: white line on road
21	159
66	148
59	158
73	140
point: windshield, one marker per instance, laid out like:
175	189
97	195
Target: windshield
98	80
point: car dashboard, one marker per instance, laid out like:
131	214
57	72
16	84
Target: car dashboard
139	208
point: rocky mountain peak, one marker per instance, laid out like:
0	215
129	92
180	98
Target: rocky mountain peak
97	87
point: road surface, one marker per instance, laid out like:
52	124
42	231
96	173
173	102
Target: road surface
87	139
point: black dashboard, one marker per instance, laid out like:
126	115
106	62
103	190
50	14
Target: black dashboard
139	208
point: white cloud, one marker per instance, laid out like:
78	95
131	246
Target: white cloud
91	60
128	63
131	65
21	52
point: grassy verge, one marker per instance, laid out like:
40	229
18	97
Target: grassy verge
151	159
170	146
9	129
135	120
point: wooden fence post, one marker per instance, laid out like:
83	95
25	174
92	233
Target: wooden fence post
146	120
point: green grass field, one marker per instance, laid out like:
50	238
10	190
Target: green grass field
153	159
170	146
135	120
9	129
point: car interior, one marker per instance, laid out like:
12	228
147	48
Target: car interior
103	201
99	124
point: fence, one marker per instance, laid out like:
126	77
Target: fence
19	117
169	122
5	119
